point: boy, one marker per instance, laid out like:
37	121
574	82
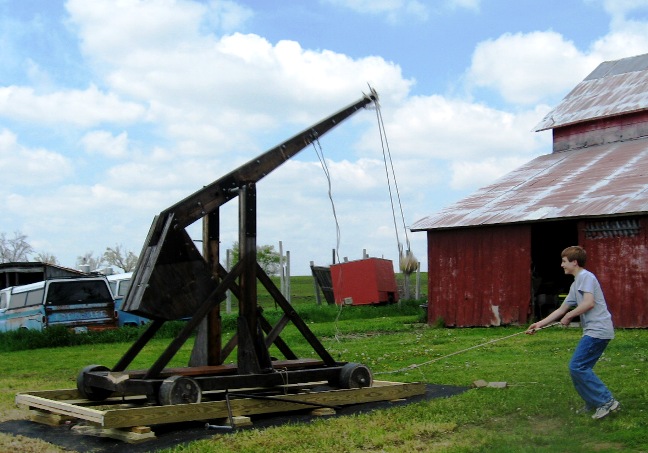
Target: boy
586	296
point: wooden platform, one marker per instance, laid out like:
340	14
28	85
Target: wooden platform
130	412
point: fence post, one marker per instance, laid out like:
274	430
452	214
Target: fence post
418	280
318	296
228	266
288	291
282	279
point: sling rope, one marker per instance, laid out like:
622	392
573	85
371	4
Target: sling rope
418	365
407	261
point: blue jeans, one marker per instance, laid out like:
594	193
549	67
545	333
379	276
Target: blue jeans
587	383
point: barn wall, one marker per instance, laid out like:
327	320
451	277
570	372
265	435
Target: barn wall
601	131
621	266
479	276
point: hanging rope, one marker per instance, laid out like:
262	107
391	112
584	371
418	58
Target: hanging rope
407	261
320	155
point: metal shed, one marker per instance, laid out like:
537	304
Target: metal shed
494	257
22	273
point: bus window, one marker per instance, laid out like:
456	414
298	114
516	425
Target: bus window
18	300
123	288
34	297
4	300
78	292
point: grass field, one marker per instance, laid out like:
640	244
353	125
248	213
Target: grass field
536	412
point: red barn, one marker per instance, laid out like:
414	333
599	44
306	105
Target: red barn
494	257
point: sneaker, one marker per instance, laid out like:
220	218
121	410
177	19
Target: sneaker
604	410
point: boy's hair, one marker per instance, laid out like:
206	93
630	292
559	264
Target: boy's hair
577	253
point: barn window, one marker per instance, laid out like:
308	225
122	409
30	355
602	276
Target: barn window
612	228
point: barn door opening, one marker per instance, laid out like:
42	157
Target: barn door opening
549	284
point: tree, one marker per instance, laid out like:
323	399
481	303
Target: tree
89	260
14	249
267	257
122	259
46	257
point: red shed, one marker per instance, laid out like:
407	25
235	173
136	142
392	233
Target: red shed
366	281
494	257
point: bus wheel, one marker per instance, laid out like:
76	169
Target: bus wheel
179	390
89	392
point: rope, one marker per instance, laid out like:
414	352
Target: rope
387	155
415	365
320	155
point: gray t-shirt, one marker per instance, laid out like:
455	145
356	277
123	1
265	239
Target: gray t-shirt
596	322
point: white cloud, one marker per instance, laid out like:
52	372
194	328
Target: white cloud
106	144
82	108
21	166
436	127
215	92
526	68
468	174
627	39
619	9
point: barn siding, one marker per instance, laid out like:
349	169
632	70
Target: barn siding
479	276
621	265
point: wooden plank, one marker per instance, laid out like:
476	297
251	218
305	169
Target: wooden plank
48	418
60	407
133	436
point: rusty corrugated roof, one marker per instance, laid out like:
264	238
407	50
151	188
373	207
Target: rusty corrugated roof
610	179
613	88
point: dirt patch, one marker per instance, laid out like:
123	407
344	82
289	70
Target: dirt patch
604	446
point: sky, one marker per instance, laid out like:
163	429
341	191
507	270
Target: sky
113	110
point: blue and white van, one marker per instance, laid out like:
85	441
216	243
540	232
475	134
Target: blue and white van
119	285
80	303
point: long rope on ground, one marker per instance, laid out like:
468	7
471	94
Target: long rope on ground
418	365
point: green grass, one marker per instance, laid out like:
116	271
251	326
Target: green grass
534	413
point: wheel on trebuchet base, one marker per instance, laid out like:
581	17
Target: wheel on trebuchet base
89	392
355	376
179	390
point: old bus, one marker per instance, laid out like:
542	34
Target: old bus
119	285
80	303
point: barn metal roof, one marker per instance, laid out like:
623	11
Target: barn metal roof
609	179
613	88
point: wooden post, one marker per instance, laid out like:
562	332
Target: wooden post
287	288
228	267
248	355
208	344
418	280
282	277
318	295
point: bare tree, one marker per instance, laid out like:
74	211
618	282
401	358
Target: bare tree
124	259
46	257
89	260
14	249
